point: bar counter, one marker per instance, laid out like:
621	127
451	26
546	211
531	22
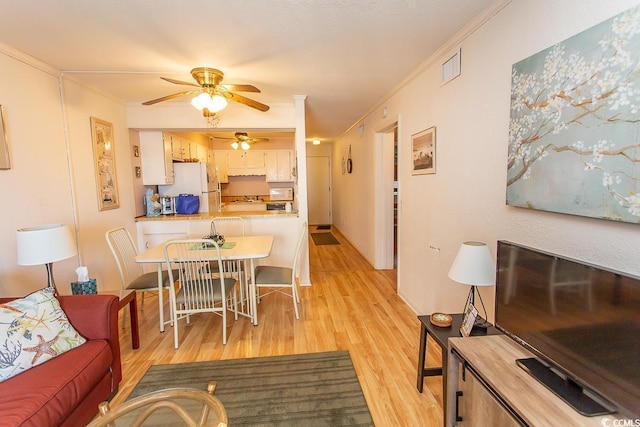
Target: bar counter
211	215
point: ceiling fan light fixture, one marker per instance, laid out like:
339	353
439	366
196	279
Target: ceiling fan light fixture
201	101
234	145
217	103
245	145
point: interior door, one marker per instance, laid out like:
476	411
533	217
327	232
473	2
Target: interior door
319	190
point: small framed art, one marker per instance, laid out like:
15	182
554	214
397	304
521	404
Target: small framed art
423	152
469	320
105	164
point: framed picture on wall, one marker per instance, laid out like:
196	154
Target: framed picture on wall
105	164
423	152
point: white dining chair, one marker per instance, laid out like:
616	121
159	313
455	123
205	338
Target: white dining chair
279	279
228	226
232	226
132	274
201	288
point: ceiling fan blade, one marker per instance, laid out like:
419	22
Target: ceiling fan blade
252	140
241	88
179	82
246	101
165	98
223	138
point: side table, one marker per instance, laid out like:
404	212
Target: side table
441	337
128	297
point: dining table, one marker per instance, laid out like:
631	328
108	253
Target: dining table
235	248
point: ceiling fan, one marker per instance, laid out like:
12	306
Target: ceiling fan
242	140
213	94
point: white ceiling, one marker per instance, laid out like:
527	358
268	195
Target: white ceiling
345	55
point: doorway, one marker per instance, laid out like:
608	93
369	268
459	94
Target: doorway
319	190
387	196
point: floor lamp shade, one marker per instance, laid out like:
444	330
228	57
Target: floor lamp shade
473	265
44	244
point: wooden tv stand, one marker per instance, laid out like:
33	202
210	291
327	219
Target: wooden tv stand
496	392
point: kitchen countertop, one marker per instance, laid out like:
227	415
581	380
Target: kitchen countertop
210	215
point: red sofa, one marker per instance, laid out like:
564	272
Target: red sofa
66	390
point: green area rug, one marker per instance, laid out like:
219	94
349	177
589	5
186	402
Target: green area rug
317	389
324	239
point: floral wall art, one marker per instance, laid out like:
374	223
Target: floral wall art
574	133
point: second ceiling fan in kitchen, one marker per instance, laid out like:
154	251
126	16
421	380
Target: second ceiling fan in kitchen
242	140
213	94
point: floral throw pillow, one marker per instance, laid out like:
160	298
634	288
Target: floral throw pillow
33	330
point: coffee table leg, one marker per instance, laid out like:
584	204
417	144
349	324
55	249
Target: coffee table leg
133	313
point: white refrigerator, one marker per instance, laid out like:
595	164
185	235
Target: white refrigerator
200	179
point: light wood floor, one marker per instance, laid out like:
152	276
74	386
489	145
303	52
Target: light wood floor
350	307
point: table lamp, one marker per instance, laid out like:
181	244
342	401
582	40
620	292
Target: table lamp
45	244
474	266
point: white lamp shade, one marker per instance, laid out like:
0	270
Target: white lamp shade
473	265
43	244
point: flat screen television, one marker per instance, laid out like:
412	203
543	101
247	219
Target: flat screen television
582	323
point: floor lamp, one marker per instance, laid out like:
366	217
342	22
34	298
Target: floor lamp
474	266
45	244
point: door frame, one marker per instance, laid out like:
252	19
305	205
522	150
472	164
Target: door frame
383	191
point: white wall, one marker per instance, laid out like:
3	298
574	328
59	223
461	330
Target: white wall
45	138
80	104
465	199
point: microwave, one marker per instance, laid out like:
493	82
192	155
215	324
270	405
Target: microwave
281	194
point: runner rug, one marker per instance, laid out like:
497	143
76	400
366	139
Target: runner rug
324	239
316	389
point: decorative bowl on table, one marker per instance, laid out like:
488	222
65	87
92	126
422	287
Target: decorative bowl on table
441	320
218	238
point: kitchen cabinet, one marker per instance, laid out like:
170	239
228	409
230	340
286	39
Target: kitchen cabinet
196	151
220	161
250	162
278	165
179	148
156	158
201	152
